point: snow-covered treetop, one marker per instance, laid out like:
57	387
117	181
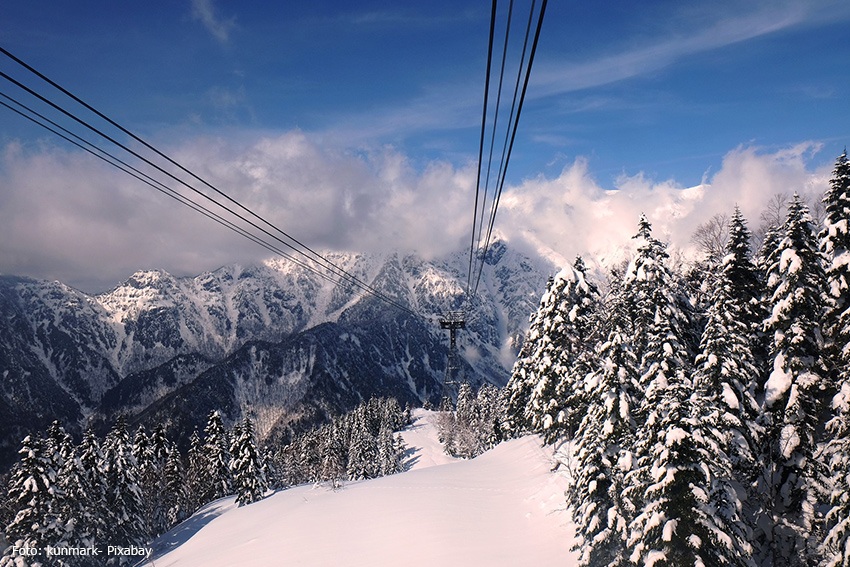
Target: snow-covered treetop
650	254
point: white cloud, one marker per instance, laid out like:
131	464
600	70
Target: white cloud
66	216
204	12
573	214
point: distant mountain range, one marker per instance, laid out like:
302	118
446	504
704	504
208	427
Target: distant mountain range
274	341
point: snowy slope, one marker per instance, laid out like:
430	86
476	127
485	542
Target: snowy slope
504	508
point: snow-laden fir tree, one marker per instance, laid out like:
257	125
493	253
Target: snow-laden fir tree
152	452
603	453
60	445
727	367
123	497
216	460
147	478
792	410
463	423
362	449
196	482
161	450
689	513
176	490
391	451
835	246
645	280
670	485
661	502
246	465
332	463
35	496
546	391
83	493
489	416
660	316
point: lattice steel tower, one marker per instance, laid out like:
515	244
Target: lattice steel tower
453	321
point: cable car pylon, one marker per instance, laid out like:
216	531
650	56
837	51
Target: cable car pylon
453	321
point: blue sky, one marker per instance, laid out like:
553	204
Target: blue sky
664	93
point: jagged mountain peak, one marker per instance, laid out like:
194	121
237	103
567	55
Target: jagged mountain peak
274	337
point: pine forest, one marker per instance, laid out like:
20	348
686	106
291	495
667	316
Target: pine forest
705	409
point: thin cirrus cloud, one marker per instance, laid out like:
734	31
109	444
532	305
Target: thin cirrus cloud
449	106
553	77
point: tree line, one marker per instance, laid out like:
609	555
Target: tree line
707	410
356	446
126	489
474	424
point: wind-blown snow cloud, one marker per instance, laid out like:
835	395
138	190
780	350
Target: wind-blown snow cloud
65	216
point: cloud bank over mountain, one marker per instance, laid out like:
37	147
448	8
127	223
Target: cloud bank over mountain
66	216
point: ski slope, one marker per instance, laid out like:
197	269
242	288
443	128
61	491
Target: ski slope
504	508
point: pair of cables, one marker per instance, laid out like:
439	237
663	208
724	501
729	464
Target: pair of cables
491	177
164	174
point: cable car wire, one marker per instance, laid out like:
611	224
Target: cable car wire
481	143
512	129
316	255
118	163
480	227
325	263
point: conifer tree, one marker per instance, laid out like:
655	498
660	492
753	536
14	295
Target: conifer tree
524	374
123	497
464	434
246	466
196	482
83	493
670	482
93	483
795	290
689	512
152	457
332	463
60	449
391	451
147	478
835	246
489	415
727	366
660	320
176	490
661	503
549	376
604	443
216	460
34	495
362	449
644	282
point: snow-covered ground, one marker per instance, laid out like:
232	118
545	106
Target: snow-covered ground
502	509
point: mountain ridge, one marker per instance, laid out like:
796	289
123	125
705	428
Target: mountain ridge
156	340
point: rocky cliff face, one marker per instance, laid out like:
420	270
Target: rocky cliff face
274	341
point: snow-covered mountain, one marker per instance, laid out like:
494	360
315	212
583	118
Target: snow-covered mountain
275	341
503	508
